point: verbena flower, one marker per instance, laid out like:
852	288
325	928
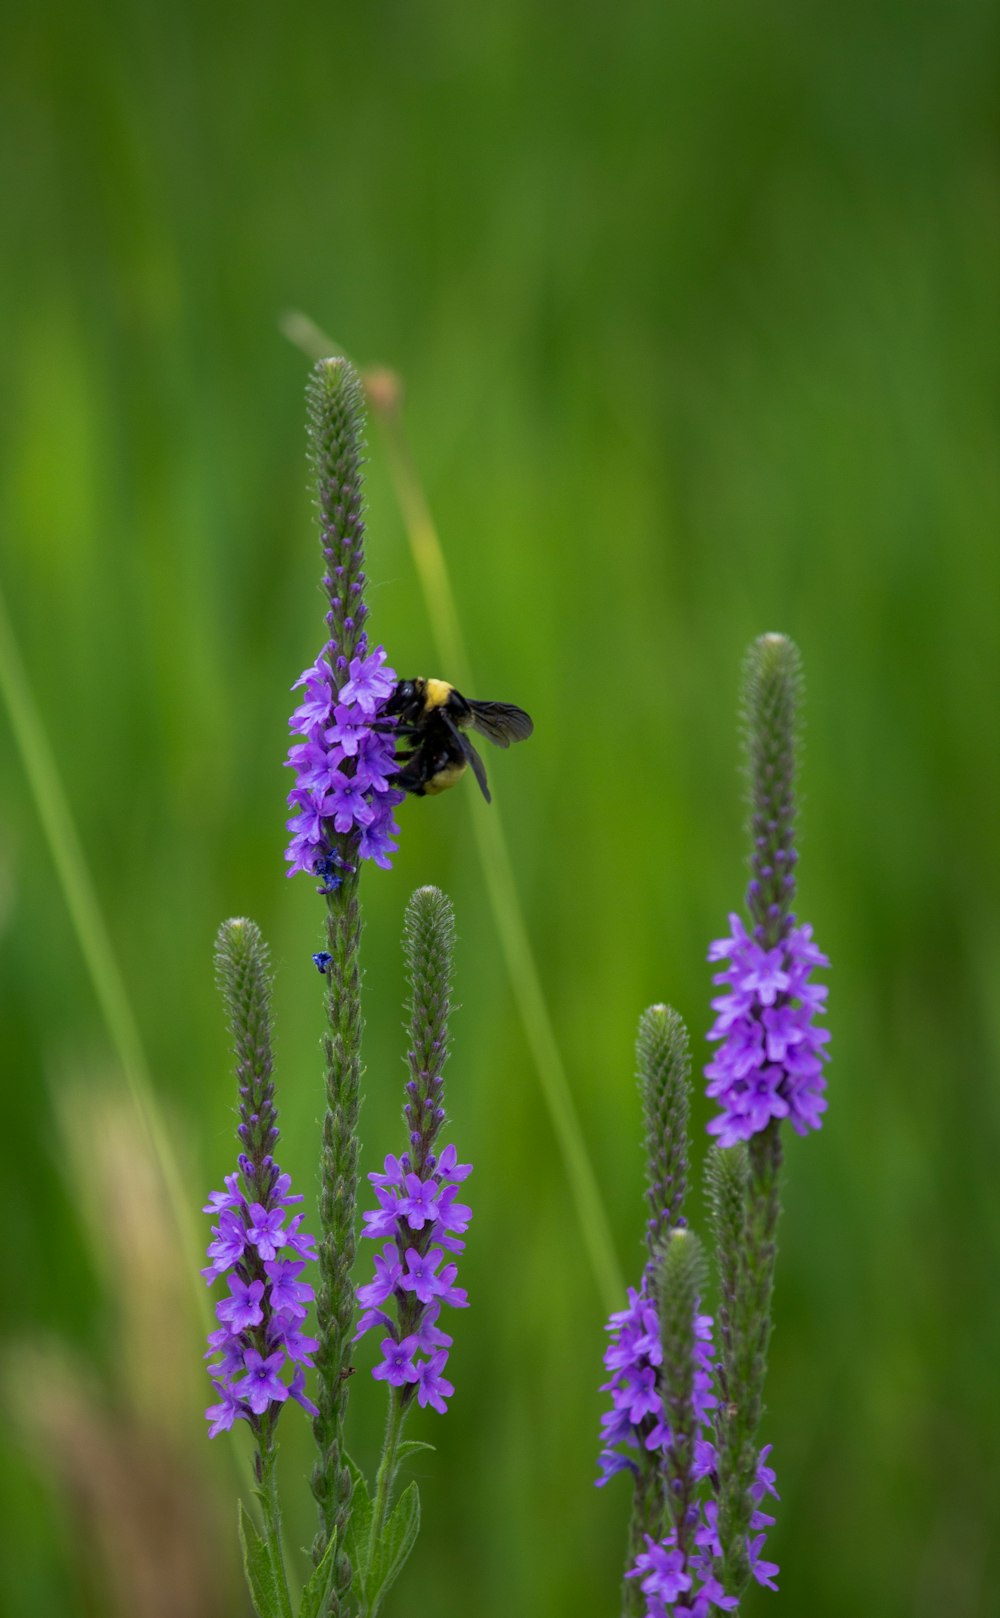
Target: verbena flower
258	1246
344	761
633	1357
664	1384
418	1219
260	1322
678	1574
771	1053
684	1583
420	1223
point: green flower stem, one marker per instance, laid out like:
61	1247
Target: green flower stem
265	1468
663	1066
743	1362
681	1281
387	1468
335	1302
649	1516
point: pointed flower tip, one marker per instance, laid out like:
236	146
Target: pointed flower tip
775	644
334	375
332	369
772	657
236	927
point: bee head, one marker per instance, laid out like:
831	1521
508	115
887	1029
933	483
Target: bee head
401	695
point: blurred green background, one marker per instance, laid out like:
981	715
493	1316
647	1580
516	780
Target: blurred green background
696	310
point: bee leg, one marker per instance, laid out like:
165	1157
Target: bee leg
385	728
408	779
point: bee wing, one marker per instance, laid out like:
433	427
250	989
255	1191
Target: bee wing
478	767
468	753
501	722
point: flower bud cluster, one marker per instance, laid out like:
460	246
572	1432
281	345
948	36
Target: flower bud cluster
770	1058
422	1222
261	1321
344	765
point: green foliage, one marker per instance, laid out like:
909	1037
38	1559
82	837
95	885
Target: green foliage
358	1532
265	1580
389	1555
377	1565
321	1587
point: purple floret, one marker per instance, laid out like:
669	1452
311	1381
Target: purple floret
261	1386
371	682
222	1415
397	1362
433	1388
243	1309
266	1230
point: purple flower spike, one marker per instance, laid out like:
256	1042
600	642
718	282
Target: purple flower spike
770	1058
261	1320
344	768
677	1580
418	1220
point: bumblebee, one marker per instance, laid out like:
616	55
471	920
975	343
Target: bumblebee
433	719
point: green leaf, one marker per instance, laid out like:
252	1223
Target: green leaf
390	1554
267	1591
409	1446
358	1531
318	1591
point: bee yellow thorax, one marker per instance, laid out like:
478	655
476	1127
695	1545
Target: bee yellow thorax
438	692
